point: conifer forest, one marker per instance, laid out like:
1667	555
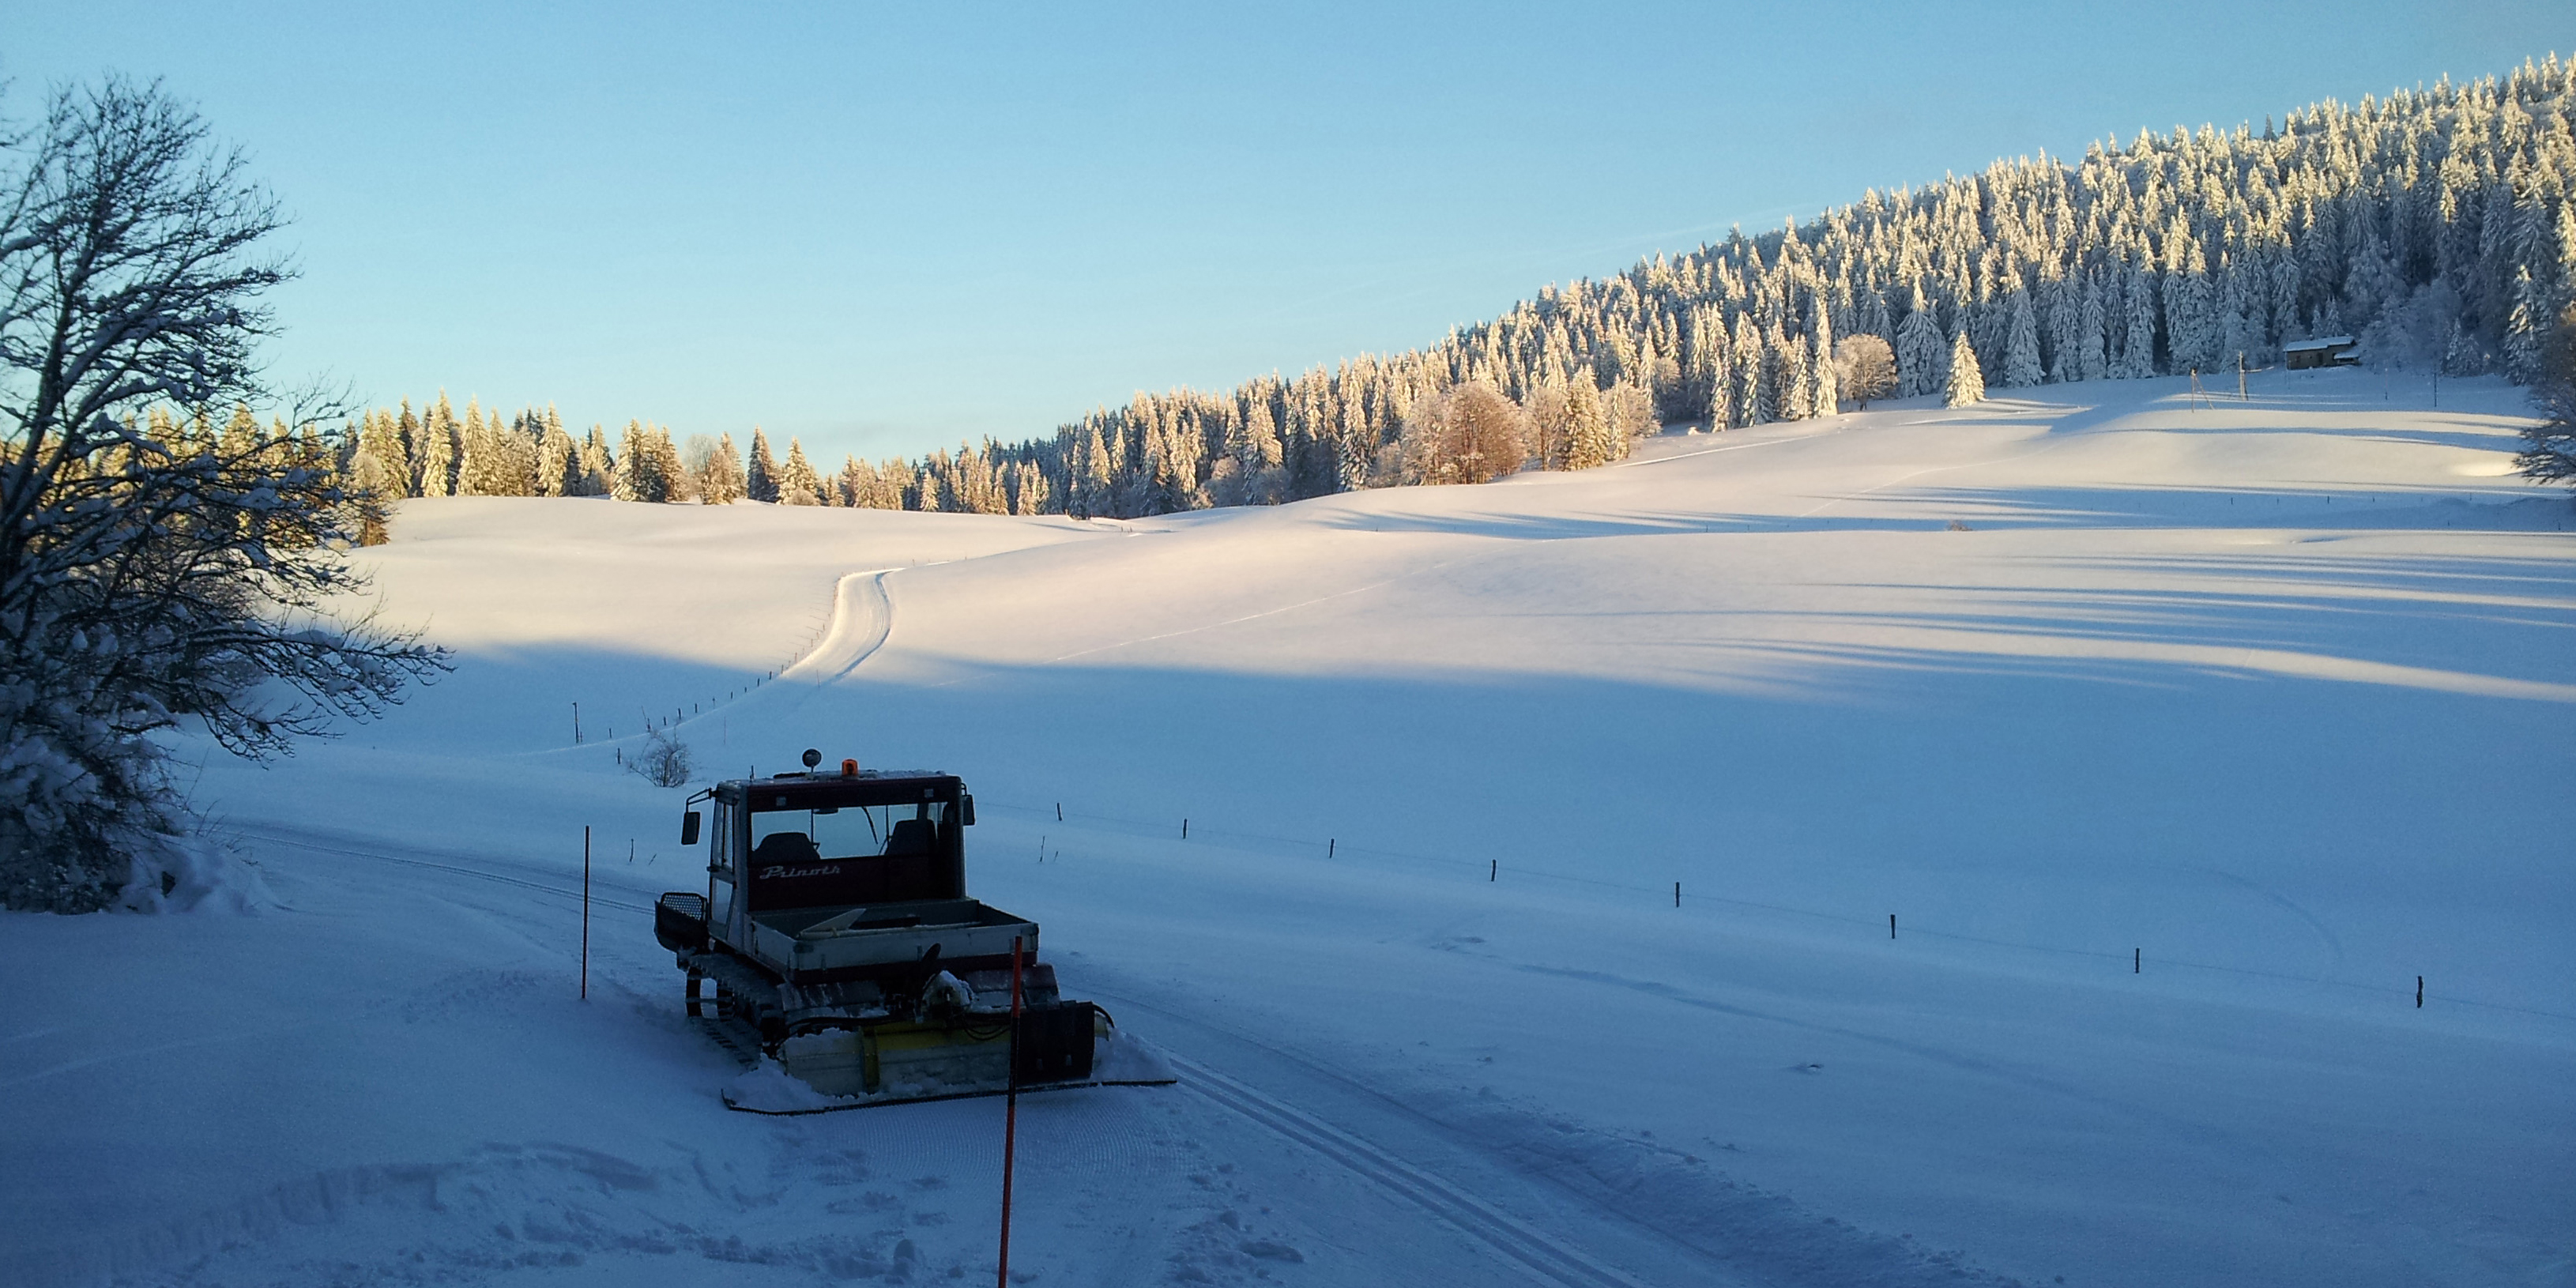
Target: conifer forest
2434	224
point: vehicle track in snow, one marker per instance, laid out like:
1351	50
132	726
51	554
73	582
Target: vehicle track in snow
274	836
1600	1210
1518	1244
862	617
1512	1240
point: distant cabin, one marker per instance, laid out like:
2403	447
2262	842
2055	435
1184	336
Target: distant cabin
2329	351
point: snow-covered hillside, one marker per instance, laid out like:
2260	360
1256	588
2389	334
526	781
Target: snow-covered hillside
2178	738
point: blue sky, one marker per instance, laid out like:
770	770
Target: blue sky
888	229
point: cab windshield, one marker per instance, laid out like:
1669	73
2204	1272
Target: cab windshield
824	833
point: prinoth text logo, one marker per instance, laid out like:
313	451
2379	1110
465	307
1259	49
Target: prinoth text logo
776	870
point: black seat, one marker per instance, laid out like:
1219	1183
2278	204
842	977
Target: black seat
787	848
908	838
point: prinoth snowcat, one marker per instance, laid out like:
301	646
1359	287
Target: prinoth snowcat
841	944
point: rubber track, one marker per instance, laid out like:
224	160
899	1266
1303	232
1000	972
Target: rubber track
734	1036
1514	1241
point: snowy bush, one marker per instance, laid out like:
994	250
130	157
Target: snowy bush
663	761
1471	434
153	572
1866	368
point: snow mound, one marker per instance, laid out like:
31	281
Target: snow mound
195	874
769	1089
1124	1057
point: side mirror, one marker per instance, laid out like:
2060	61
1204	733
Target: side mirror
966	810
689	828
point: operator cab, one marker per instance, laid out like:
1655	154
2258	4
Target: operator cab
838	935
860	849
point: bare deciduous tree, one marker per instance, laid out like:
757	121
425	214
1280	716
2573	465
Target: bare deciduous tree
1471	433
1865	367
152	570
663	760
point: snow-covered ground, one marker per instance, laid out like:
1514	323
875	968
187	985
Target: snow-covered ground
2215	728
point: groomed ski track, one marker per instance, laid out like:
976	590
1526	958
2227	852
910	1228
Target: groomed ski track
1548	1249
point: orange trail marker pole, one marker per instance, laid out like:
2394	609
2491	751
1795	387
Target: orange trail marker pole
1010	1116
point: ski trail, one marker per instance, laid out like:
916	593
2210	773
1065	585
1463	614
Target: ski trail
862	617
1528	1249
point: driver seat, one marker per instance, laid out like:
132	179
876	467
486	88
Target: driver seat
909	838
788	848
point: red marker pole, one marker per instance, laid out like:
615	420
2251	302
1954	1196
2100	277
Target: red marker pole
585	913
1010	1115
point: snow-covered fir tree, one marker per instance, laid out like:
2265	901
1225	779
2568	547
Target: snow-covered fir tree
558	459
1967	384
1824	382
648	467
720	477
798	484
438	450
1587	427
2021	343
760	477
1797	379
1746	344
1920	367
2138	339
596	466
2092	325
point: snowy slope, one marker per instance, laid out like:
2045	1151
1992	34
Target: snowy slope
2216	726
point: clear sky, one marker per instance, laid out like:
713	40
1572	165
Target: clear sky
886	229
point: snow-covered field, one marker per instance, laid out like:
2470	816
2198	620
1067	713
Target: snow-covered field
2214	729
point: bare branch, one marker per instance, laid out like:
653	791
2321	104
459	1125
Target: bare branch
153	571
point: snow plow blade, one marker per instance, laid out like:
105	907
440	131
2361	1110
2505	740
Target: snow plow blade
1064	1046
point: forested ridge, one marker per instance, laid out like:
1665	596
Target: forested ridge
2434	223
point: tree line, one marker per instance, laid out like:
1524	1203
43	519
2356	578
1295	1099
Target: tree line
2433	223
